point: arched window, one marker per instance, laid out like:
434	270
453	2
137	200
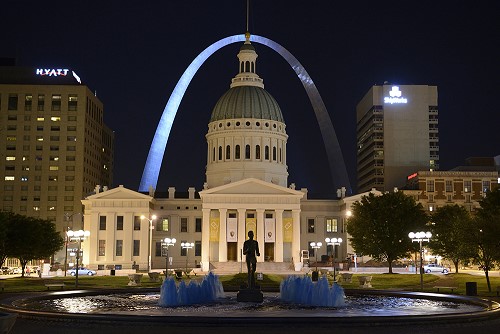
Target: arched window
247	152
281	155
257	152
253	67
213	155
247	66
274	153
228	152
237	152
220	152
242	67
266	152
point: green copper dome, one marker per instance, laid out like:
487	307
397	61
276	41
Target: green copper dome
246	102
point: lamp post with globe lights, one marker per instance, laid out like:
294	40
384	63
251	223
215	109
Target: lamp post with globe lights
150	237
165	244
333	242
79	236
187	246
419	237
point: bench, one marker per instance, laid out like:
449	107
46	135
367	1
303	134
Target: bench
446	287
54	285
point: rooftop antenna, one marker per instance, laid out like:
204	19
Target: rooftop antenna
248	10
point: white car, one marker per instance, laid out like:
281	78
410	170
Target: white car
82	271
434	268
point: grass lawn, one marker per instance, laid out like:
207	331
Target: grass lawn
409	282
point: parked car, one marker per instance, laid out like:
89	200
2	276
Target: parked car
16	270
6	271
82	271
434	268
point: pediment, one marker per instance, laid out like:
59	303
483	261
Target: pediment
119	193
251	186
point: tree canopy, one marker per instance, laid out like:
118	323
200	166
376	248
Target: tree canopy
379	225
448	226
29	238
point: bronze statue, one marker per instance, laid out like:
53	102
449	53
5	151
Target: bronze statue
251	250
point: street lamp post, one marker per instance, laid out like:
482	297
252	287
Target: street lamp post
67	218
150	238
333	242
419	237
187	246
316	246
79	236
167	242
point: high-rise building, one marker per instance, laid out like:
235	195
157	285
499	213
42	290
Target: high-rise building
54	144
397	134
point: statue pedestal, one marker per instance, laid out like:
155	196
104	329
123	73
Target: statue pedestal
250	295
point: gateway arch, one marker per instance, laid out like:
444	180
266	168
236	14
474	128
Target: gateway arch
154	160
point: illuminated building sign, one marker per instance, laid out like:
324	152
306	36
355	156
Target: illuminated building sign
52	72
412	176
56	72
395	96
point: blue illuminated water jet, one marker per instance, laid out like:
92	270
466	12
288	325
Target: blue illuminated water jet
302	290
208	290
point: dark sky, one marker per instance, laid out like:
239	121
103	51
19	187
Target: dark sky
133	52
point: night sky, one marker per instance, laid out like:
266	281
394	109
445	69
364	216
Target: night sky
133	52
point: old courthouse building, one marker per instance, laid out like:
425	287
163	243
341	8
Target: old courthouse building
246	189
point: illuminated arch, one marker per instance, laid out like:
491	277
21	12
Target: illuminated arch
151	171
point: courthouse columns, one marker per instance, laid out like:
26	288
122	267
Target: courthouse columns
260	234
241	230
205	241
278	244
296	236
222	235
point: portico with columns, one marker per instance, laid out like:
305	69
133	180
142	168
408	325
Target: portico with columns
271	211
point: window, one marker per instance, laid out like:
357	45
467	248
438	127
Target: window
41	102
184	224
197	248
56	102
158	248
448	186
228	152
430	186
102	248
247	152
28	101
119	248
486	186
102	223
237	152
72	102
197	224
137	223
213	155
162	224
137	246
119	223
274	153
257	152
310	225
331	225
12	104
266	152
220	153
467	186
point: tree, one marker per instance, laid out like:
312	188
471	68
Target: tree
4	219
448	224
32	239
483	233
379	225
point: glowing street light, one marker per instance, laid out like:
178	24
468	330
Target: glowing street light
79	236
333	242
187	246
316	246
419	237
165	244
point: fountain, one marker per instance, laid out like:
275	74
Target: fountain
301	290
208	290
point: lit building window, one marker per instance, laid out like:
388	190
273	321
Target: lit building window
331	225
